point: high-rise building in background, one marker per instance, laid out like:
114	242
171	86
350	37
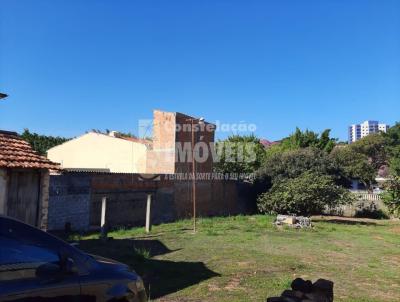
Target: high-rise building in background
358	131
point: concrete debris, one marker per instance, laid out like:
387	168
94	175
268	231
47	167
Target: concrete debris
294	221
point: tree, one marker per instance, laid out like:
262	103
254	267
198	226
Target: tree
391	197
392	142
304	139
126	134
325	142
394	161
308	194
42	143
352	165
374	147
392	136
239	154
291	164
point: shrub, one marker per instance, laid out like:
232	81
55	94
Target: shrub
391	197
310	193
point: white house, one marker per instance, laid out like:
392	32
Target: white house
100	152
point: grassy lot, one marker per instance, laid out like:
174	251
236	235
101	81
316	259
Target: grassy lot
246	258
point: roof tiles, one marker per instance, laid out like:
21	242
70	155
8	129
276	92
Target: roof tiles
17	153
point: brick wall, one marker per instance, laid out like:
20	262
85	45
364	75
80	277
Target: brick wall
126	199
203	136
76	198
172	130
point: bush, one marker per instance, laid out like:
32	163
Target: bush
308	194
391	197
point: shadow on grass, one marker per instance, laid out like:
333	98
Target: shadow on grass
161	277
347	221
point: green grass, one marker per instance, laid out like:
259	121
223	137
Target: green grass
246	258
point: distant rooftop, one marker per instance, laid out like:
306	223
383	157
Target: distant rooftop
266	143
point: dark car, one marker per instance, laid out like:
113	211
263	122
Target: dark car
36	266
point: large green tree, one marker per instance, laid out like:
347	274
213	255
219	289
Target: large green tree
304	139
374	147
392	186
392	136
293	163
353	165
394	161
392	141
42	143
391	197
239	154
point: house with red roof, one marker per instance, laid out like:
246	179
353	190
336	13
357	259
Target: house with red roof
24	180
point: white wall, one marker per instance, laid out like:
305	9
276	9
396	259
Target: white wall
100	151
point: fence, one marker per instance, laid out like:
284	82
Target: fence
75	199
365	205
367	196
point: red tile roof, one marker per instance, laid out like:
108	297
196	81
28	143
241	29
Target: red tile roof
137	140
266	143
17	153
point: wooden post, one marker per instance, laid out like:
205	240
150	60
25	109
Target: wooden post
103	218
193	180
148	214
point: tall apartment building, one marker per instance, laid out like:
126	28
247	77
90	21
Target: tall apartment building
358	131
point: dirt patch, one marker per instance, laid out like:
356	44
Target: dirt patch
392	260
233	284
245	264
396	229
213	287
348	220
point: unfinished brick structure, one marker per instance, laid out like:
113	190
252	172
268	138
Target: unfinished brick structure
172	144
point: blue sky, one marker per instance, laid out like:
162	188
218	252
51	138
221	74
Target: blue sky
71	66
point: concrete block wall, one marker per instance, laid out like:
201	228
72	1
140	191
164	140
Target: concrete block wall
359	208
76	198
69	201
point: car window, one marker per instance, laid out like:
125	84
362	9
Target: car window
16	255
24	244
20	259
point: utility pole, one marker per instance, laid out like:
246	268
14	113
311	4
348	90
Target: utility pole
193	180
199	121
